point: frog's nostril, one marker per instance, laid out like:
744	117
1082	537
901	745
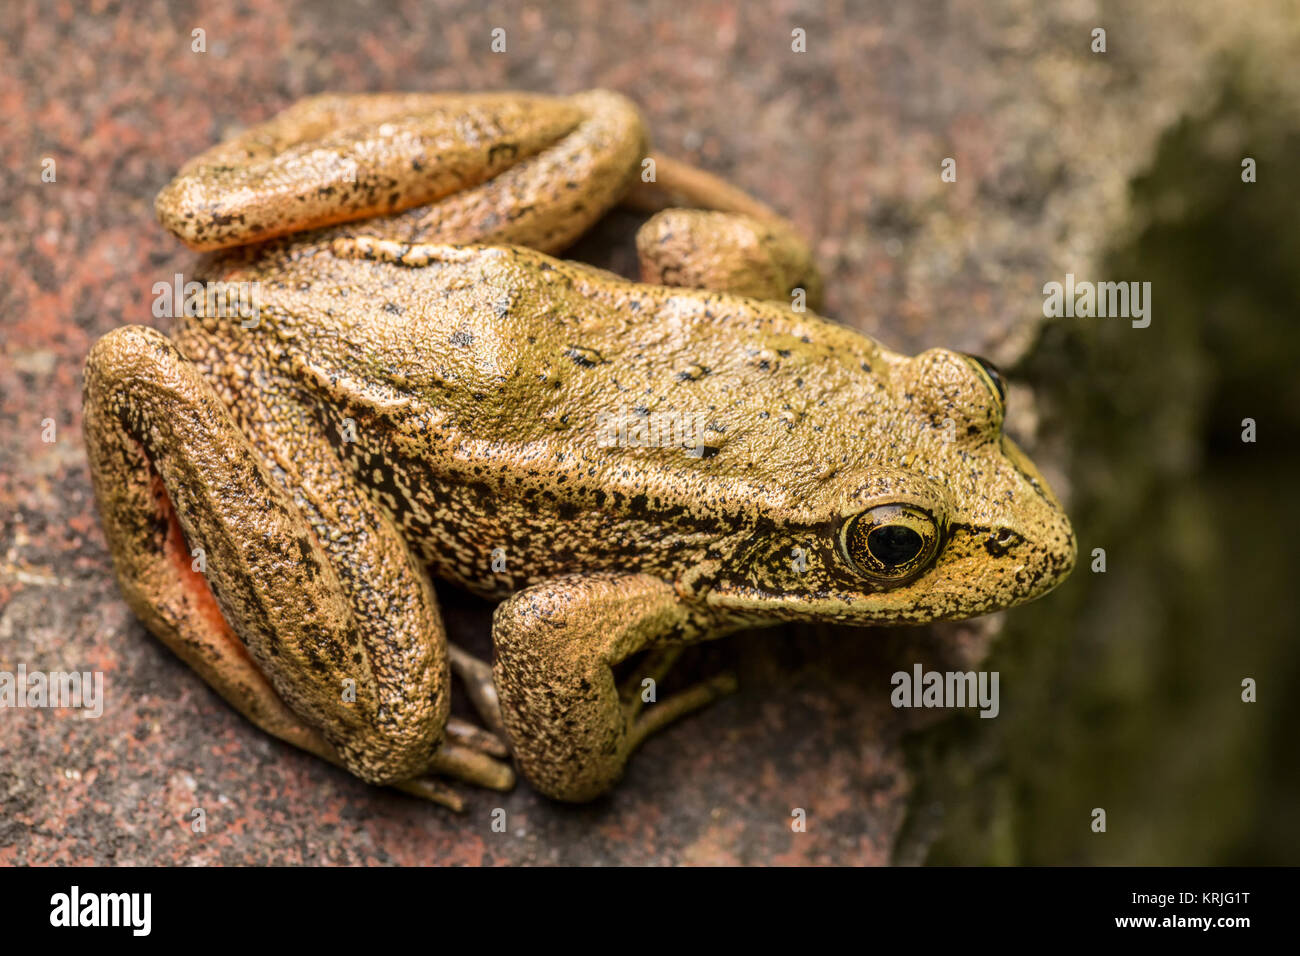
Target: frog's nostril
994	375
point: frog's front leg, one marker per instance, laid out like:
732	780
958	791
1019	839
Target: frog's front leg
325	635
556	646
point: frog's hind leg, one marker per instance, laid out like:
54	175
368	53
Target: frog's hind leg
221	563
707	234
545	201
433	168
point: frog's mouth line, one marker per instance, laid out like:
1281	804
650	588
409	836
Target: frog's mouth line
837	607
951	587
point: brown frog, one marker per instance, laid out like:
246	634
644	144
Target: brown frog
422	390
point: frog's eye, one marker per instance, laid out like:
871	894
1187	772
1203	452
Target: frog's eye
994	376
890	542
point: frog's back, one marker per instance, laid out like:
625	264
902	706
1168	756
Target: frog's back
510	345
511	395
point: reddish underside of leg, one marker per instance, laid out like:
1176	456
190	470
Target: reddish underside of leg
178	557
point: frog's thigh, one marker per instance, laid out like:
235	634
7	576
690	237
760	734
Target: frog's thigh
727	252
161	444
556	644
153	565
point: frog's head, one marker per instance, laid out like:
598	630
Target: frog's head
944	519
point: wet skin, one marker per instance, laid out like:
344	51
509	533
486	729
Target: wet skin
424	391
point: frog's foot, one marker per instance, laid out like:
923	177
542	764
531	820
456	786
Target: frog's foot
465	734
433	790
437	168
642	684
473	766
721	239
476	675
641	688
727	252
469	754
556	645
243	582
678	706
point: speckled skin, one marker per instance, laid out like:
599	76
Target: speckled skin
406	408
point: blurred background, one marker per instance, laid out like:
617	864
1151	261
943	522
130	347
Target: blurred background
1132	679
1117	161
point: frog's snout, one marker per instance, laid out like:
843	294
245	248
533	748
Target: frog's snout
1048	557
1039	522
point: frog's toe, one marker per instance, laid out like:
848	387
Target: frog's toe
435	791
476	676
684	702
468	754
465	734
472	766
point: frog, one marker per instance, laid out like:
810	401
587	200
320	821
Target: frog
427	390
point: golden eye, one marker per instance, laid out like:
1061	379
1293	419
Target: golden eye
890	542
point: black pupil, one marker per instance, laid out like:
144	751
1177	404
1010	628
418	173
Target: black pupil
894	544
